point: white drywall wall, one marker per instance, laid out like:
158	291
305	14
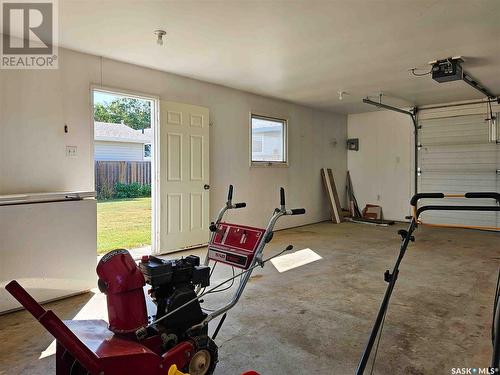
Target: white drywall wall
36	104
382	169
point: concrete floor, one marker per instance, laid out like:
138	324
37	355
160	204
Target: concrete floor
316	319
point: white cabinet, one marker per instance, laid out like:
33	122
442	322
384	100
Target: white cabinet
47	244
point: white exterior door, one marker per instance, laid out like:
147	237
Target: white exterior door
184	176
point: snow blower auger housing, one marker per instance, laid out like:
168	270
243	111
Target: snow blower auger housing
177	334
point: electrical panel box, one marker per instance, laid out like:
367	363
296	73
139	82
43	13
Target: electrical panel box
353	144
447	70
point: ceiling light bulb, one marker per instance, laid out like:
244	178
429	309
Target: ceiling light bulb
159	36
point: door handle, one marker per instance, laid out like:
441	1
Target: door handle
206	186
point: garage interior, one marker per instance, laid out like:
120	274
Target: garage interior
324	118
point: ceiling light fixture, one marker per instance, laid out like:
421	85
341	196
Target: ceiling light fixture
341	94
159	36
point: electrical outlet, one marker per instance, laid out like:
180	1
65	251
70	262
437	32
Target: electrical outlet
71	151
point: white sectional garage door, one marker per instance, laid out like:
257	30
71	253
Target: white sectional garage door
456	156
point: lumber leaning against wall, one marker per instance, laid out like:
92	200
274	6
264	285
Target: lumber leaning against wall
333	197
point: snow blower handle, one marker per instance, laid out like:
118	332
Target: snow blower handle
228	206
284	211
257	259
229	203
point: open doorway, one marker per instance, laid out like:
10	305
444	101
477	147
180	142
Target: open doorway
124	165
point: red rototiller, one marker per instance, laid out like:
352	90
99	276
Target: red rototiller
177	336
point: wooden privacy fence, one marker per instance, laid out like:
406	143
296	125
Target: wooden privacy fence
108	173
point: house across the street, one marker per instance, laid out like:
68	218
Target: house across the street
119	142
267	141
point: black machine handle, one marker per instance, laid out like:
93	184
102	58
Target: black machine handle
482	194
419	196
457	208
229	204
294	211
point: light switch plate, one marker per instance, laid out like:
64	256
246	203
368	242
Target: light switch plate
71	151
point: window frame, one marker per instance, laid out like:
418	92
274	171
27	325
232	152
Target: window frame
269	163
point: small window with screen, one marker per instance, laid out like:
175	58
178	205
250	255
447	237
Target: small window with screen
268	140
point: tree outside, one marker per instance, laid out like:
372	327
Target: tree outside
132	112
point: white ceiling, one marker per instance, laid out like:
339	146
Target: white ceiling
301	51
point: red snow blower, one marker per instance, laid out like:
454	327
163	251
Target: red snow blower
176	337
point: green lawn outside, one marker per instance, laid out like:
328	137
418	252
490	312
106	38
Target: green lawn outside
123	223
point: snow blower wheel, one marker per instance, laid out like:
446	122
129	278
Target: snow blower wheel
205	358
200	363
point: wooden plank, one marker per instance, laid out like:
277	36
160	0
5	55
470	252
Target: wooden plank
353	204
331	200
337	204
123	172
361	220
